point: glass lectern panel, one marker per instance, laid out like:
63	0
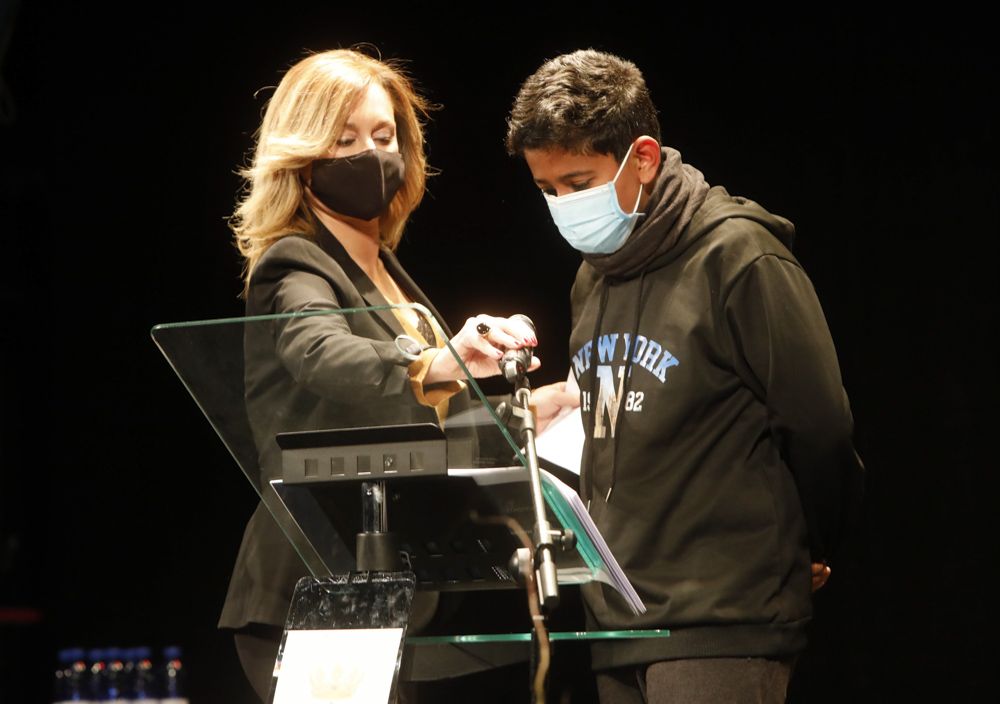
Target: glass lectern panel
318	408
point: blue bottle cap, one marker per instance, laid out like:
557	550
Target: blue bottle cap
143	652
172	652
66	655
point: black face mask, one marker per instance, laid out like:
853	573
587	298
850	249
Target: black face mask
358	186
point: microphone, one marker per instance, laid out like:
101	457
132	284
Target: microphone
515	363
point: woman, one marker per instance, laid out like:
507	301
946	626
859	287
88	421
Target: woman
339	166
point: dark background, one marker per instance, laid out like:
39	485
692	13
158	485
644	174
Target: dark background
120	134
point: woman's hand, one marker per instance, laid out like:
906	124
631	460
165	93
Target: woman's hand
481	344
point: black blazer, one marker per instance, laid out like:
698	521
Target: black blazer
310	373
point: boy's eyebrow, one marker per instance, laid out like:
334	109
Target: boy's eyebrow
575	174
568	176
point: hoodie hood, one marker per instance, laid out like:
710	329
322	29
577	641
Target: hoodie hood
676	195
682	207
720	206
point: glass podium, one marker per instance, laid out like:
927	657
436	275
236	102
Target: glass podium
397	509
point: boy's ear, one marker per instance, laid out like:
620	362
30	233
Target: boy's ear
647	151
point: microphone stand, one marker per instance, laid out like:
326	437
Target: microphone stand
542	560
513	365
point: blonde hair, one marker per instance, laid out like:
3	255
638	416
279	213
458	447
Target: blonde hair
303	120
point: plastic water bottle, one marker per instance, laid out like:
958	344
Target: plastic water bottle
97	675
174	677
114	676
143	676
71	677
128	673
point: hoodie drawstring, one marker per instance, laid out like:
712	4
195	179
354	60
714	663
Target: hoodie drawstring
627	379
589	489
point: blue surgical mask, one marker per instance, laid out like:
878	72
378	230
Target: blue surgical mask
591	220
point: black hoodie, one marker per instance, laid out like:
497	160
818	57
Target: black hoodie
720	461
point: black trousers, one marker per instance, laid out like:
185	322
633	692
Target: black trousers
698	681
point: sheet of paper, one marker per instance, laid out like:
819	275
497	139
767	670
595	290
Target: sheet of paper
612	572
562	441
349	666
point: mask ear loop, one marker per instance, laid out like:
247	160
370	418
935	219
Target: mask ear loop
635	208
622	165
